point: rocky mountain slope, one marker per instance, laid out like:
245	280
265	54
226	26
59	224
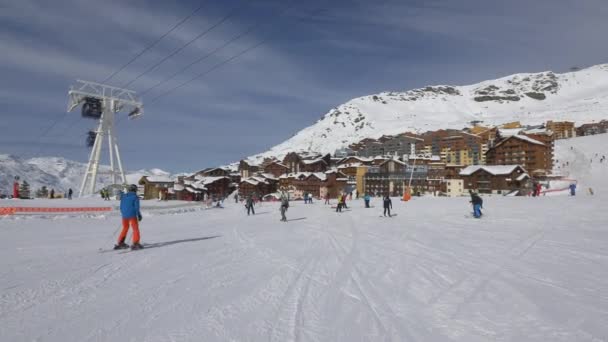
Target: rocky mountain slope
580	96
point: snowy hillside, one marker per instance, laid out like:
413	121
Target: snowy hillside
580	159
58	173
580	96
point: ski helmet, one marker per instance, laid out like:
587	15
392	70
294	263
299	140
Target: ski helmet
132	188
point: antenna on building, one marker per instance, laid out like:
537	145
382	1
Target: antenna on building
102	102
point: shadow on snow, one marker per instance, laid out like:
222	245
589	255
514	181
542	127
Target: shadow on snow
168	243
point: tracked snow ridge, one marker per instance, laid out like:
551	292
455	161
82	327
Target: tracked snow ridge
531	98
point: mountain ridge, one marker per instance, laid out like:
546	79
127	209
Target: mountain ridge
531	98
56	173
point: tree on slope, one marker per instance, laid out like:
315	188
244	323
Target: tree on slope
24	190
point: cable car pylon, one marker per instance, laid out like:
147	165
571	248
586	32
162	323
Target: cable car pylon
102	102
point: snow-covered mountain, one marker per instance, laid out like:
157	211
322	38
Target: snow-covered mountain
580	96
53	172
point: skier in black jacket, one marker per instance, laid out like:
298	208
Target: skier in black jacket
388	205
477	204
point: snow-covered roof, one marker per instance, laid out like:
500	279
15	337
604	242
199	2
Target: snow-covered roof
427	157
159	179
538	131
507	132
278	163
521	137
491	169
343	166
522	176
251	181
313	161
269	176
258	179
192	190
361	159
320	175
394	160
178	187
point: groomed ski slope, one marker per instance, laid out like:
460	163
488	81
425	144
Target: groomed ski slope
533	269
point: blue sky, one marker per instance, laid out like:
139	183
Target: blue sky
315	56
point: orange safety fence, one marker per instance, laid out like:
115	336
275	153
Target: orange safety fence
14	210
7	211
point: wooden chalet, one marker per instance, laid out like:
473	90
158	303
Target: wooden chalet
196	187
293	161
316	183
314	165
247	169
522	150
495	179
354	160
276	169
154	184
213	172
258	186
389	177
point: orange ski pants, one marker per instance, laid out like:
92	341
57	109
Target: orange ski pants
125	228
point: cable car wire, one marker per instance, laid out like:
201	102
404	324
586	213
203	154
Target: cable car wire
218	65
232	12
250	29
153	44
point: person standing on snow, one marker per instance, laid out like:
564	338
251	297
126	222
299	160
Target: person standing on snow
129	209
367	198
52	193
70	192
249	205
477	204
388	205
327	198
344	201
340	202
284	207
572	189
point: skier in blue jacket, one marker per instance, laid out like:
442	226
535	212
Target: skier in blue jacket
129	209
367	198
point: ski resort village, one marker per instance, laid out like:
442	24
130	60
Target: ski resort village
166	175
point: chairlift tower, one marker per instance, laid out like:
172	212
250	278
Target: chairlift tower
102	102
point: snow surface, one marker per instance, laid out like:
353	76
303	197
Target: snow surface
580	96
528	271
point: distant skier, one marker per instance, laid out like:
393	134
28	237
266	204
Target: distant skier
249	205
284	207
52	193
327	198
388	205
306	198
70	192
366	199
236	198
340	203
477	204
344	201
572	189
129	209
309	198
